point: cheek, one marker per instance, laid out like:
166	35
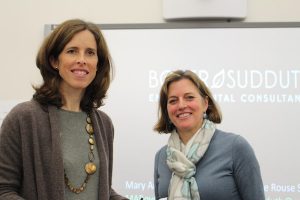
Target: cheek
171	109
196	107
93	68
94	62
93	65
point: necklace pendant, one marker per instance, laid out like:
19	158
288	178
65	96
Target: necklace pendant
89	129
88	120
90	168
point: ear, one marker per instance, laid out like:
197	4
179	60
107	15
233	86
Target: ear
54	62
205	102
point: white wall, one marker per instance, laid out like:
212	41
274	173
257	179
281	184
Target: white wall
22	23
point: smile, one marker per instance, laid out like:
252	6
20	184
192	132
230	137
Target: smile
79	72
184	115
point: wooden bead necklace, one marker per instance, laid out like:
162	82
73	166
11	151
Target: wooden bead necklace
90	167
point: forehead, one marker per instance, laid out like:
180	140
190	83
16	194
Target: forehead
84	37
182	86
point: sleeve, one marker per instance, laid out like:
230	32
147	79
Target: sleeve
10	159
162	174
113	194
156	175
247	171
116	196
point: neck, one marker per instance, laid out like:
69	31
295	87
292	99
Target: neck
186	135
71	100
71	107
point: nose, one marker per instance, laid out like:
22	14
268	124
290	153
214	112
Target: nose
182	104
81	59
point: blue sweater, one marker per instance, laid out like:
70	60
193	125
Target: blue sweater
228	170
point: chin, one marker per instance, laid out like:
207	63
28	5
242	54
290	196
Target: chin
184	129
80	85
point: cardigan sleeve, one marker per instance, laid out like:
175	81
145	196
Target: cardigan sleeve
109	138
247	171
115	196
10	158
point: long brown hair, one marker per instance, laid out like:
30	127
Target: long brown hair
53	45
213	112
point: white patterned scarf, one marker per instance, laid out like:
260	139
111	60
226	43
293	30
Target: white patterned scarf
183	185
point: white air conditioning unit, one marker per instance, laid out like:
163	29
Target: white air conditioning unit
193	9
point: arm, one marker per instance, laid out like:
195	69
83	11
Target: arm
247	171
156	175
10	159
162	174
109	130
115	196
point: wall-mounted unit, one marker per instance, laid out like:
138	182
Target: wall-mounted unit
208	9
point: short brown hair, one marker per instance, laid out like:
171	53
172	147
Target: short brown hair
213	112
53	45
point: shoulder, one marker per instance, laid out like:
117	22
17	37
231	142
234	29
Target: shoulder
234	143
160	164
224	138
240	148
229	136
235	140
225	135
102	123
27	106
103	116
161	154
24	110
161	150
21	117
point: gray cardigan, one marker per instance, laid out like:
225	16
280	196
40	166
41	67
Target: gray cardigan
228	171
31	164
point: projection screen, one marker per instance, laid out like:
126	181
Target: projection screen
254	73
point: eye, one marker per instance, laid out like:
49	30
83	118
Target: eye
71	51
172	101
91	52
190	97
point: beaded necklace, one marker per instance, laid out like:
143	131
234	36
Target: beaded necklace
90	167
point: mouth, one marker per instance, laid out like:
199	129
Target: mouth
79	72
183	115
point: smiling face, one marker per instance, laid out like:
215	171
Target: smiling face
77	63
185	106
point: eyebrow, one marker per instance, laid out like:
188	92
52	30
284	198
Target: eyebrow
92	49
188	93
75	47
172	97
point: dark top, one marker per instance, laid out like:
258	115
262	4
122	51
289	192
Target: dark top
31	163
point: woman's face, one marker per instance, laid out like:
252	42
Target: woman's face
77	63
185	106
